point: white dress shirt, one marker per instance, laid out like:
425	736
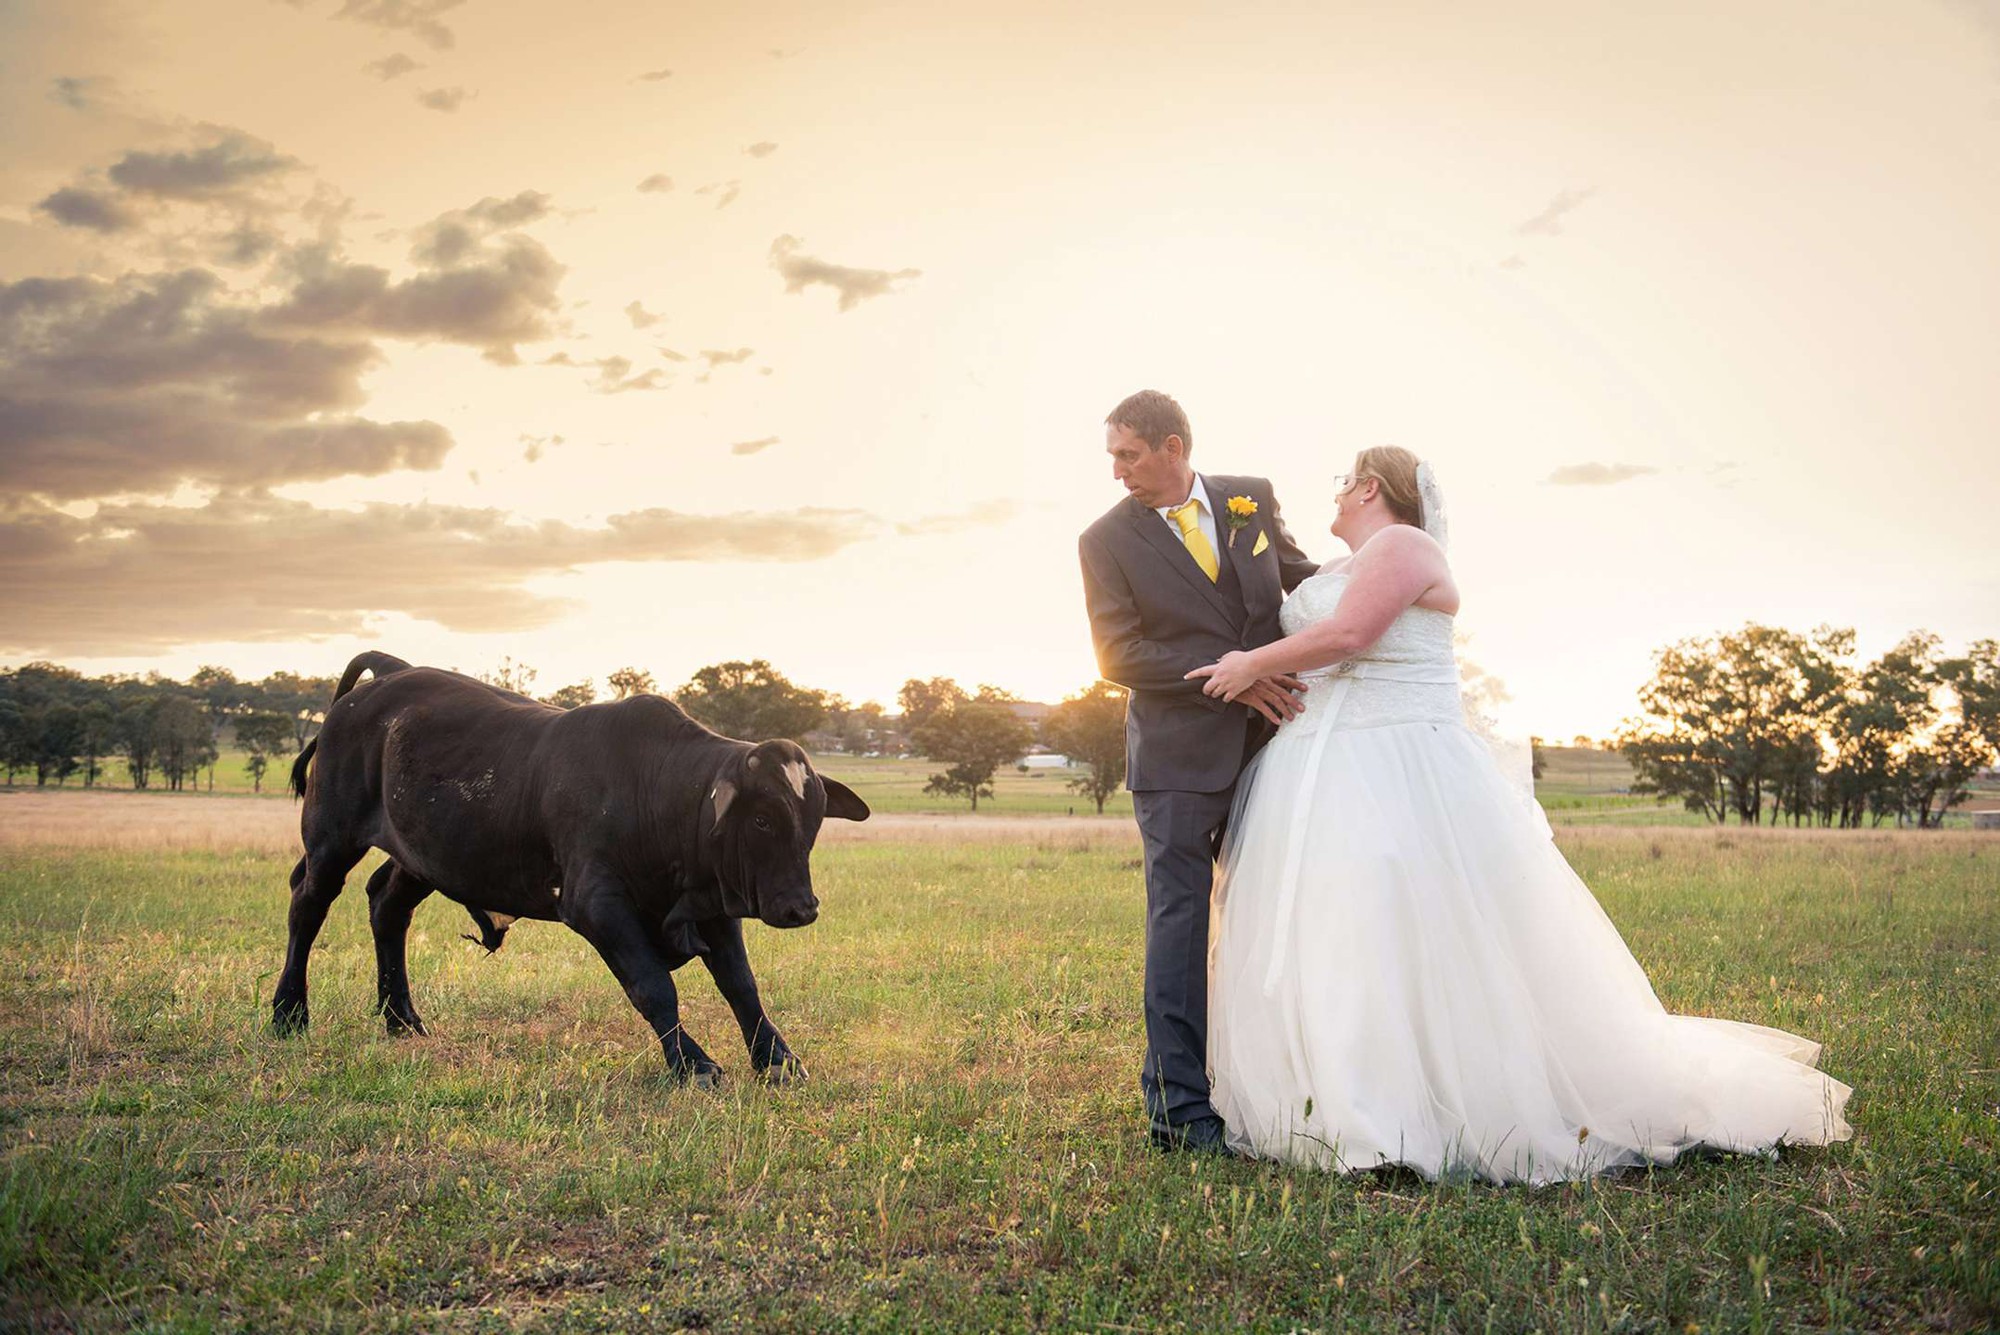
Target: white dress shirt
1204	511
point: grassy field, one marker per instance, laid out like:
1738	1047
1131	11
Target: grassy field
968	1153
1580	786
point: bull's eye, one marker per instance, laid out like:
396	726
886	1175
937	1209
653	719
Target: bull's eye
762	822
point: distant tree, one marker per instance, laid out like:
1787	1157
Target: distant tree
13	738
98	737
753	701
1888	703
920	700
973	739
1537	762
181	739
569	697
511	676
303	700
1733	719
860	727
220	695
136	736
262	736
1090	727
43	730
1966	739
627	682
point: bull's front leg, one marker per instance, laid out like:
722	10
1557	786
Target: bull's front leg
598	908
729	964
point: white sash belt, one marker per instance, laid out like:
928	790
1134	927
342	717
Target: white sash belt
1342	676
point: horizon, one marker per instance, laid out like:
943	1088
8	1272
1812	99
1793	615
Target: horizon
665	339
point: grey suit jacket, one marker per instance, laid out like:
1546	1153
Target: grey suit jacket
1154	616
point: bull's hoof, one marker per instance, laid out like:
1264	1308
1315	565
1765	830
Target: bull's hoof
406	1026
289	1021
703	1074
789	1070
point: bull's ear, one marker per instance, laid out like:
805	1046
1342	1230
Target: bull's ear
719	798
841	801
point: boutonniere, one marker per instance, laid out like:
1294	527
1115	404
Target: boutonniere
1237	515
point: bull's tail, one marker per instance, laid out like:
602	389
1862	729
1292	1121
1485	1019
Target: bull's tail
373	661
299	767
380	664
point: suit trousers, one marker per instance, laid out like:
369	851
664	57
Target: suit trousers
1181	833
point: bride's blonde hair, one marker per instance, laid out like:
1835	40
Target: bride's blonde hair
1395	472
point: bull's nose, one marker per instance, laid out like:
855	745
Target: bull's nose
795	916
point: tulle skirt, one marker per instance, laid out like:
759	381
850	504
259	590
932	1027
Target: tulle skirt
1438	989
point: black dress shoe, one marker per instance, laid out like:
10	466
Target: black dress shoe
1203	1135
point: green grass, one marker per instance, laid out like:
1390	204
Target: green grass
968	1153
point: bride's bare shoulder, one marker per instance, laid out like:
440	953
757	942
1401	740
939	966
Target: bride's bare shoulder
1401	543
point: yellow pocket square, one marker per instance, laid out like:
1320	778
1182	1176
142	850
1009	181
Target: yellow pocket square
1263	541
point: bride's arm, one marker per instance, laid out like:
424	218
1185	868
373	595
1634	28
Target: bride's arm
1391	571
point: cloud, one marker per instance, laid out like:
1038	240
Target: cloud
983	515
764	148
614	376
153	380
725	192
79	94
76	206
1597	475
753	446
442	99
135	578
419	18
714	358
224	167
482	291
640	317
656	184
673	356
854	285
654	76
536	445
455	236
392	67
1549	221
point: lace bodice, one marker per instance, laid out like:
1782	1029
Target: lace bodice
1418	643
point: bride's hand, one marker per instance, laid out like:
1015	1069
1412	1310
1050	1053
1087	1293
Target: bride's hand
1228	677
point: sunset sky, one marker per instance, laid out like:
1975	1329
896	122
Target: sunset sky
639	333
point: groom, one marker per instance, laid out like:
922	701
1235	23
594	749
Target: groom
1184	570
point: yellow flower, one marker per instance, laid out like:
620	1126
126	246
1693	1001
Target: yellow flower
1242	505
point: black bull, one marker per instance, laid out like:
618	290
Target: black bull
644	832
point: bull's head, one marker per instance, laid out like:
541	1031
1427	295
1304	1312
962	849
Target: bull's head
761	818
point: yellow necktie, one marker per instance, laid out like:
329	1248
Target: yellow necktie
1189	518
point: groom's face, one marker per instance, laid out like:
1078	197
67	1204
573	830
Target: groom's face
1154	477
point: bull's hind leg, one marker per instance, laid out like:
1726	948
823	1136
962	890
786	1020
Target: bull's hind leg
729	964
393	895
601	912
316	883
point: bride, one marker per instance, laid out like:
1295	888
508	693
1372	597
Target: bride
1405	970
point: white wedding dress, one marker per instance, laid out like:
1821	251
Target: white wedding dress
1404	969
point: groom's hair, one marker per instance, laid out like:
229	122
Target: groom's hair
1152	417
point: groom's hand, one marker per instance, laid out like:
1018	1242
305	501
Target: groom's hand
1278	699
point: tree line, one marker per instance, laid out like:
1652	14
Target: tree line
57	724
1769	725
